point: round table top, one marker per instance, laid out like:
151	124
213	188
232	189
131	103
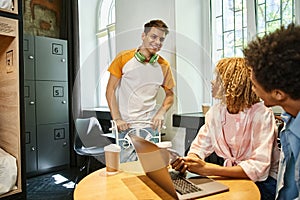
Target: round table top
131	183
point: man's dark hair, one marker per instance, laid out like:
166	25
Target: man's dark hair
157	24
275	60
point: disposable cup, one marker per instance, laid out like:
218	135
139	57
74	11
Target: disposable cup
112	158
205	108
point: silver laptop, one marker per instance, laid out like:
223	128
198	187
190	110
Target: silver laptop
155	160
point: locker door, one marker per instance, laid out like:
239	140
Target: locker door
29	57
29	97
31	149
53	145
51	59
51	102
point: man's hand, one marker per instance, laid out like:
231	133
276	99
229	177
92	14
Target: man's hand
158	121
122	125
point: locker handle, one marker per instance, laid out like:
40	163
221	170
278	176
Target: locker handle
32	148
30	57
31	103
65	144
64	102
63	60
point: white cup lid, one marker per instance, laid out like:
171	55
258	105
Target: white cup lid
113	148
164	144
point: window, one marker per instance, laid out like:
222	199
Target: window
231	24
271	14
231	27
106	44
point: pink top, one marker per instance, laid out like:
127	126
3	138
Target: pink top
247	139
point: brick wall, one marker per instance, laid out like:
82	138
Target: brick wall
42	17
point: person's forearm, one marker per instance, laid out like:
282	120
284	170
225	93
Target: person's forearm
167	103
112	104
234	172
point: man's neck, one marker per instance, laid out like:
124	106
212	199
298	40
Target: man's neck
291	106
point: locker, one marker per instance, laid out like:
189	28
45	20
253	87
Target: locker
53	145
31	149
29	95
51	59
29	64
52	102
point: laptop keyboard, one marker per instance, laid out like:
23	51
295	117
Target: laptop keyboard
182	185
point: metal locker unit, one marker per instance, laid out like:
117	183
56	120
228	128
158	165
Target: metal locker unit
46	103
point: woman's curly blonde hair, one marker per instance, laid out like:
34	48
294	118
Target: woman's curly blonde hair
233	75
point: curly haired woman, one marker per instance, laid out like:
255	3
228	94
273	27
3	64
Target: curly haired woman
239	128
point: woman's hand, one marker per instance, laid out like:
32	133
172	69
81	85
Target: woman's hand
199	166
179	163
194	164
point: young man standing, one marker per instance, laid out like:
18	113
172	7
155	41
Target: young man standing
275	63
138	74
135	78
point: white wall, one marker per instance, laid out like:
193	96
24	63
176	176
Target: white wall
194	65
88	52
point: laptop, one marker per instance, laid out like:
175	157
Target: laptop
155	161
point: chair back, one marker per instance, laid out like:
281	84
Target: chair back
89	134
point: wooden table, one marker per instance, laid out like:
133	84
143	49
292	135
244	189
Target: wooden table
131	183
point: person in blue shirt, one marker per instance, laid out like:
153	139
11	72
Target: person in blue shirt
275	63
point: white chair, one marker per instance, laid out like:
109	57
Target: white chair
89	140
140	128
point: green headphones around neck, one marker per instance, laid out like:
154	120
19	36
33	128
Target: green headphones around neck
141	58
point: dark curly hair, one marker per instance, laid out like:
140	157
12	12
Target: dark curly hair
275	60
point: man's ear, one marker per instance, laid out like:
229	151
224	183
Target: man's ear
279	95
143	35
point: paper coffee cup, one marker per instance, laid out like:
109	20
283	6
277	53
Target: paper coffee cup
112	158
205	108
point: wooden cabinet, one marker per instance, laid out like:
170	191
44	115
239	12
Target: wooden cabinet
11	95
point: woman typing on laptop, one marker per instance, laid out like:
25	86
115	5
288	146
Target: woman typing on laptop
239	129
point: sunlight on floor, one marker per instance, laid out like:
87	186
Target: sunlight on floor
61	179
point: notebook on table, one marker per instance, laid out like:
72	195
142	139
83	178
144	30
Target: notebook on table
155	161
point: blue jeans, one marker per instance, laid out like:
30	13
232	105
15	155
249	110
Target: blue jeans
128	153
267	188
